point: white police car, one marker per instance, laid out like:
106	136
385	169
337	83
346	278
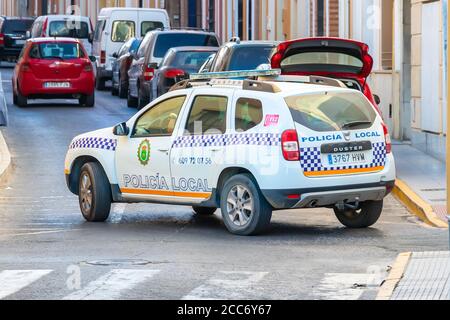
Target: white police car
247	147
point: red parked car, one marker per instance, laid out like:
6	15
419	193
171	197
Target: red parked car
54	68
343	59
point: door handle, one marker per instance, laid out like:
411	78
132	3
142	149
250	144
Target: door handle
216	150
163	150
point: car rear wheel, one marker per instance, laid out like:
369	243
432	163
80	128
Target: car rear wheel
365	216
131	101
245	211
94	193
114	90
142	102
100	84
21	100
204	211
87	100
122	89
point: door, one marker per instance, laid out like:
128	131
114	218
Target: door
198	151
431	110
122	27
142	159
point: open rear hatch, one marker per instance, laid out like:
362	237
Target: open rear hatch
330	57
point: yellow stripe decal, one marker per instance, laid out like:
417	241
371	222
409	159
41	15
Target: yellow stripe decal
343	172
199	195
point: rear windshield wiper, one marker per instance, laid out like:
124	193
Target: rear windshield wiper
355	124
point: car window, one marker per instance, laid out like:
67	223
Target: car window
160	119
37	29
56	50
99	29
144	45
122	31
220	60
190	60
69	28
332	111
16	26
249	57
135	45
249	114
207	116
166	41
322	61
147	26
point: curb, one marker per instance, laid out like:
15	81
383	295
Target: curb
416	205
5	156
398	270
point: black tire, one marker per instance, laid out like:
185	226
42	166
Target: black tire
366	216
100	207
87	101
204	211
100	84
14	98
131	101
261	213
142	102
123	89
21	101
114	91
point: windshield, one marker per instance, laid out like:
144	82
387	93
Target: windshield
190	60
249	58
322	61
69	28
17	26
332	111
147	26
56	51
172	40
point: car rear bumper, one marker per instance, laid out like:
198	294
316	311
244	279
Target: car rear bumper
328	196
103	73
6	52
30	86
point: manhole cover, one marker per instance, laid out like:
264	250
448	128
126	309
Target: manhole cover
120	262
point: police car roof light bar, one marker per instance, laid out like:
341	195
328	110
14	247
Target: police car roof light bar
235	74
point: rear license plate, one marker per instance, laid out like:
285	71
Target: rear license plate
57	85
345	159
20	42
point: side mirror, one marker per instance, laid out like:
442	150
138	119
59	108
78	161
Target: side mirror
91	37
115	55
121	130
377	99
93	59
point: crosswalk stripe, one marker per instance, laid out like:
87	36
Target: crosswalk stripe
12	281
111	285
227	285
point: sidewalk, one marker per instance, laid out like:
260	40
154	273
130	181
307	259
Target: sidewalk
418	276
421	184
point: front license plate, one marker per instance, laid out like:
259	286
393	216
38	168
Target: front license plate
20	42
345	159
57	85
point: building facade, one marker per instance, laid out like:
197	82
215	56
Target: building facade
405	37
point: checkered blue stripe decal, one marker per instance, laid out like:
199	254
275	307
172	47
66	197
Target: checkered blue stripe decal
94	143
311	159
259	139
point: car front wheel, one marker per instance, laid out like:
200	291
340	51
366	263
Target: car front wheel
245	211
94	193
365	216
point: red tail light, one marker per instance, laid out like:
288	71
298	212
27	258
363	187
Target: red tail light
88	67
103	57
174	73
290	145
25	67
44	28
2	39
387	138
148	73
278	56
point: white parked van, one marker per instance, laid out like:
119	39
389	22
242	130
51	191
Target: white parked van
117	25
67	26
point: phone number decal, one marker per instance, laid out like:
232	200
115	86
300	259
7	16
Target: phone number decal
200	161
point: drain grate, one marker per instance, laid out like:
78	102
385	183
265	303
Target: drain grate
122	262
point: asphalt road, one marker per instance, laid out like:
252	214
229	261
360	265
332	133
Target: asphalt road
48	251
